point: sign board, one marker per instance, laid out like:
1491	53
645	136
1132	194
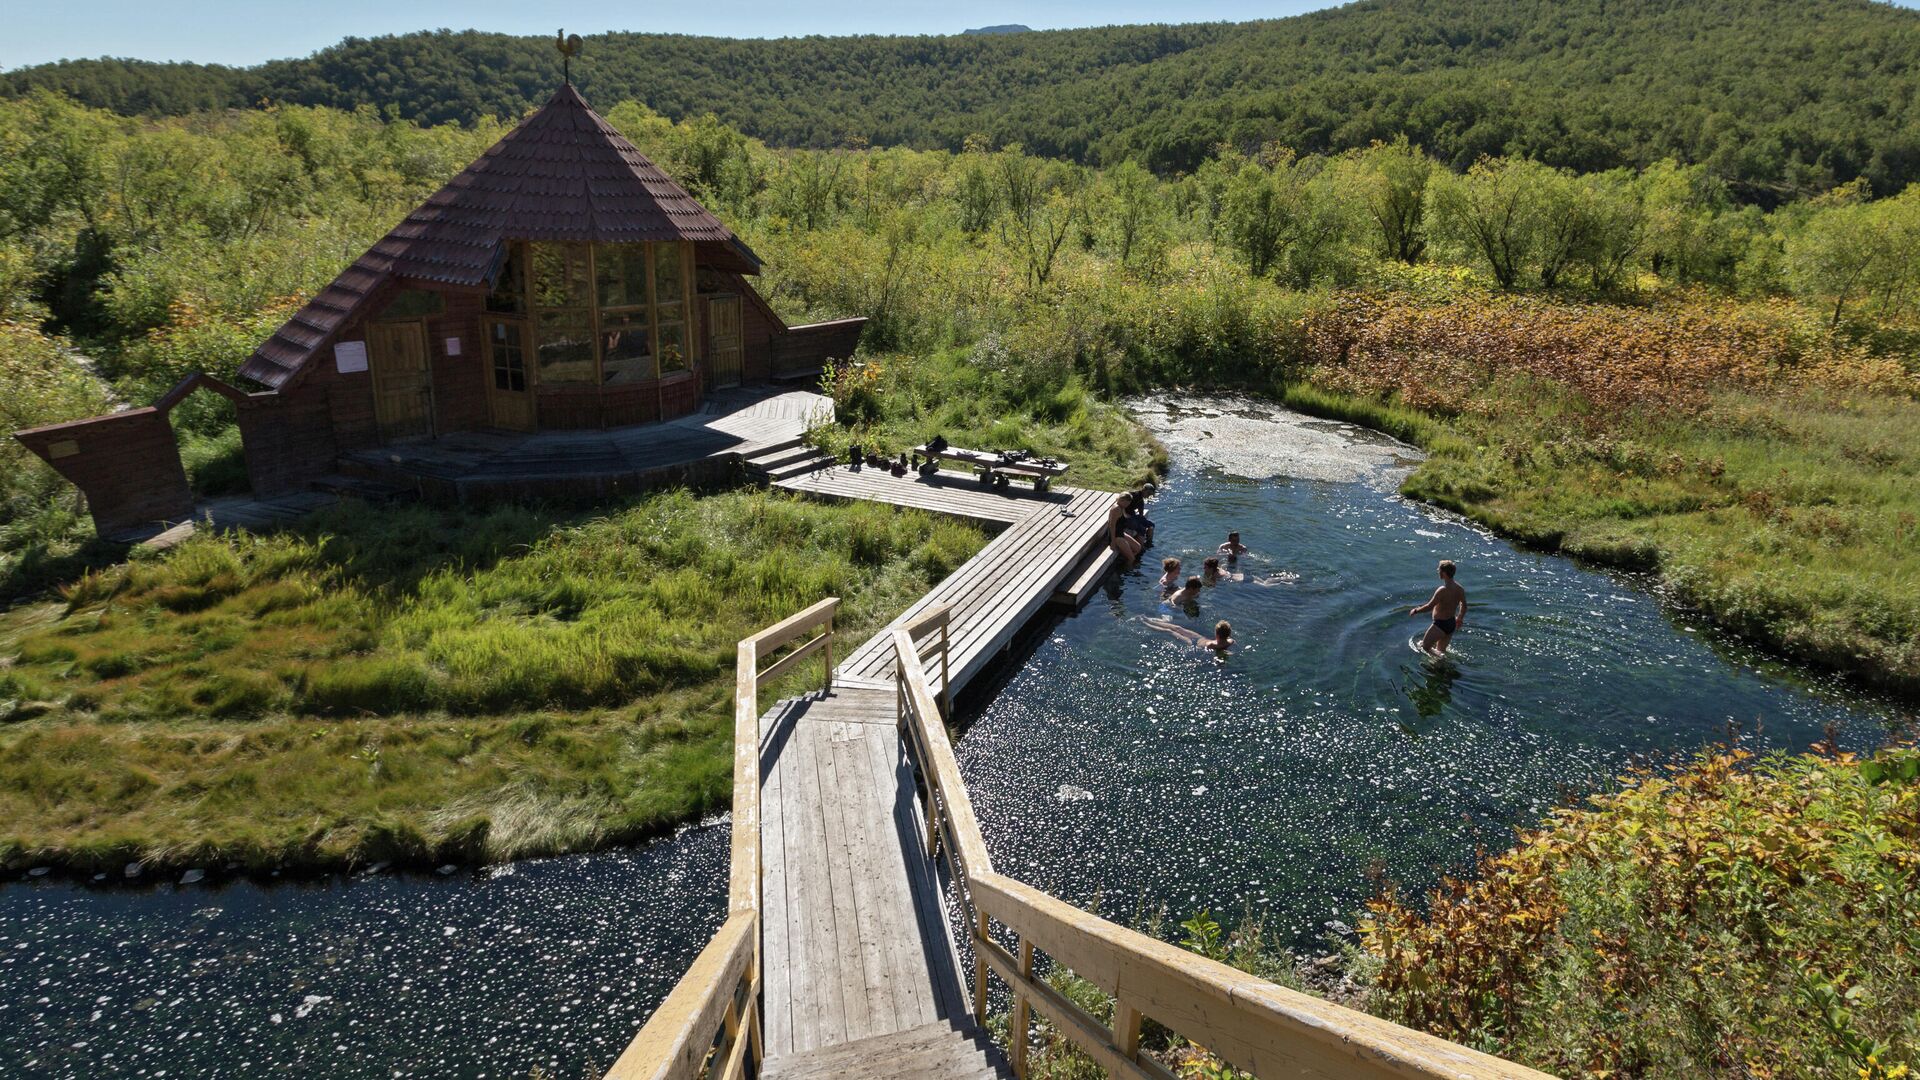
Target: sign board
350	356
453	346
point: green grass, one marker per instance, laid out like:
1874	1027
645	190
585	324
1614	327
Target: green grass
1791	518
418	684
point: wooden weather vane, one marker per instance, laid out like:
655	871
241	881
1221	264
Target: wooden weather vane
569	46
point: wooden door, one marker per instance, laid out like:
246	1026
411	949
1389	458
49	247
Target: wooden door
723	340
402	380
509	375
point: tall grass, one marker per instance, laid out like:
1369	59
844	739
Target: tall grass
418	683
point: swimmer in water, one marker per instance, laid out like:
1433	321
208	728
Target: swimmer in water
1188	598
1170	580
1221	641
1233	548
1211	573
1449	608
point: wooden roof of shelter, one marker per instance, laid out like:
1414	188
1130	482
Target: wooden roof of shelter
563	174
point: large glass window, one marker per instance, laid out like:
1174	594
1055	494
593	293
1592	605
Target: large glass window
670	306
605	313
563	306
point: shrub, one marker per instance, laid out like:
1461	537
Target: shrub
1732	917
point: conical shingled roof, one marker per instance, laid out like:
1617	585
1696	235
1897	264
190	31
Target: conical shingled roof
563	174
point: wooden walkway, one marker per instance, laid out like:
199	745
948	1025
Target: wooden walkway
860	971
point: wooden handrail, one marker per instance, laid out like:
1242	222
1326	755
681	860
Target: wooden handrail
1253	1025
709	1025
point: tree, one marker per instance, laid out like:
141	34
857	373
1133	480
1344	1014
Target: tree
1492	216
1853	252
1390	180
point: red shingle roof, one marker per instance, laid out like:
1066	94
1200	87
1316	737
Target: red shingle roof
563	174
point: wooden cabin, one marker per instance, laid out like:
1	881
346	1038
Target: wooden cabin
562	281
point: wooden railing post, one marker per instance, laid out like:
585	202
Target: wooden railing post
981	942
1022	1017
946	675
826	680
1126	1030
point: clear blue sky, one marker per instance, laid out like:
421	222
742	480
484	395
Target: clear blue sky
248	31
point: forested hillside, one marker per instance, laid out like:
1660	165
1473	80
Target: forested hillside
1778	97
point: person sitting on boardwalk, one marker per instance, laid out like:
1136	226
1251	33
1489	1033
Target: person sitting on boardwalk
1124	544
1449	608
1220	642
1233	548
1170	579
1136	523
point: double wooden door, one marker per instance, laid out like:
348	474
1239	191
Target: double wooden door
402	380
723	340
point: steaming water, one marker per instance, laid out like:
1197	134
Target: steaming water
1117	767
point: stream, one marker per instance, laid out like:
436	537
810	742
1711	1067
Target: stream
1111	764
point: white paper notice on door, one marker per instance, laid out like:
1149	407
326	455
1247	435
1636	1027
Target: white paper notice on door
349	357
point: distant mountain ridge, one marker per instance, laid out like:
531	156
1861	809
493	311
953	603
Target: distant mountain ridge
1003	28
1778	96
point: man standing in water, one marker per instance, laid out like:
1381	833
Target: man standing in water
1449	608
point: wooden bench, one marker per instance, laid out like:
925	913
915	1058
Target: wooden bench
996	469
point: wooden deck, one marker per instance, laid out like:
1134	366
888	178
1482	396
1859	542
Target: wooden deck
489	465
994	594
854	941
942	493
860	972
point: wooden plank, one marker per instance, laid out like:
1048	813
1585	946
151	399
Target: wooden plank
868	843
848	958
819	1014
914	1001
776	937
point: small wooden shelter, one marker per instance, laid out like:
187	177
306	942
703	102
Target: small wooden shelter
561	281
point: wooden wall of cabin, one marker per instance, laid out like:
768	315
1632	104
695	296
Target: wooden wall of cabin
127	463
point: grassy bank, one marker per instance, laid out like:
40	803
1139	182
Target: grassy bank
1733	918
419	685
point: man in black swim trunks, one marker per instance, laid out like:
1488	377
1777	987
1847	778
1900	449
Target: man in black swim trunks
1449	607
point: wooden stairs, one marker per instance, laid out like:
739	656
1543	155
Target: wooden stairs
784	460
937	1051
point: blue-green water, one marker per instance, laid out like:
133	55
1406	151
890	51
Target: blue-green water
1122	767
1115	767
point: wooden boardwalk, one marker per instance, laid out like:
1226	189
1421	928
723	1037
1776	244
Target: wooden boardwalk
854	938
859	963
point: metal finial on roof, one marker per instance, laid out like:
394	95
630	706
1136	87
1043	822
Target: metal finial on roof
569	46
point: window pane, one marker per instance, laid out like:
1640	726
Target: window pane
560	276
509	361
622	269
626	346
565	347
673	347
669	284
510	290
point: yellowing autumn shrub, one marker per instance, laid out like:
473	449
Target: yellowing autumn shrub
1737	917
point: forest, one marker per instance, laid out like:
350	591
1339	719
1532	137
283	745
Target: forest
1777	98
